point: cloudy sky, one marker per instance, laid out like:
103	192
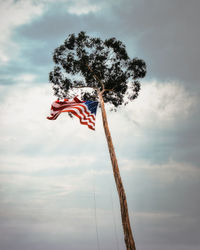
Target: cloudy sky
53	174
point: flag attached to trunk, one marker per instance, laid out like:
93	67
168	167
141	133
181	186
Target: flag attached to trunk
85	111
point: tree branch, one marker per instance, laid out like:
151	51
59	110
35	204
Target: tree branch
96	77
80	87
108	90
102	84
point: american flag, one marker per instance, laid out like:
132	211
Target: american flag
85	111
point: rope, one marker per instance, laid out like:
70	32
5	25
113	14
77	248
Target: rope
114	220
95	213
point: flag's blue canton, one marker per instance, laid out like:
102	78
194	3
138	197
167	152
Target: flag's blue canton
92	106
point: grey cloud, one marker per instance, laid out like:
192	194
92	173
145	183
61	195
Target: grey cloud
187	147
165	212
162	216
164	33
168	36
157	231
156	191
29	63
51	29
39	226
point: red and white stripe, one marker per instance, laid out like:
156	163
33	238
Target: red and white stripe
76	107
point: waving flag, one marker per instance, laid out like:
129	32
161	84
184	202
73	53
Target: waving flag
85	111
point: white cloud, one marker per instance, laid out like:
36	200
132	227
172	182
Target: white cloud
160	104
24	78
26	129
36	149
155	215
25	108
32	164
83	7
44	175
30	143
163	173
13	14
46	178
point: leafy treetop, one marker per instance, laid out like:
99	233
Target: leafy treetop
90	64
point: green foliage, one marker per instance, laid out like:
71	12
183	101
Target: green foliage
108	61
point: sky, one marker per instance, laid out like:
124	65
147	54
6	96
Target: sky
56	184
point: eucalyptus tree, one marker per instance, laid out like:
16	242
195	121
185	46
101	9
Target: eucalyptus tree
102	71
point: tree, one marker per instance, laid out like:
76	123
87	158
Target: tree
101	70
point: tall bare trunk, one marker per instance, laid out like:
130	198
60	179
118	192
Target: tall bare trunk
128	237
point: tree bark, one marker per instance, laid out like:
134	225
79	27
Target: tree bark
128	236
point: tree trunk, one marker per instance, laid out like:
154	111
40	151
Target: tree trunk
128	237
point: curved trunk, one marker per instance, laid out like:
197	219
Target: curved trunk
128	237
